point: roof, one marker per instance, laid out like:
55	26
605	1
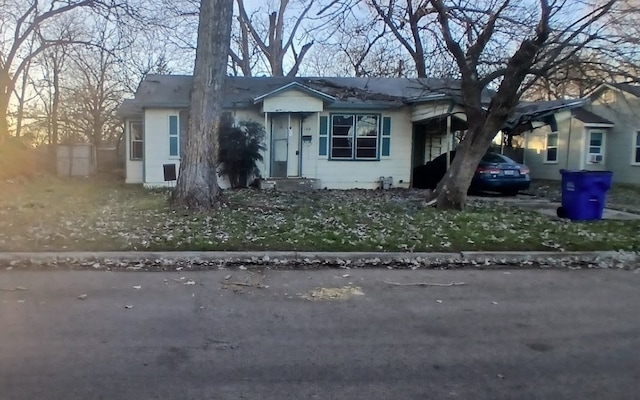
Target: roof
624	87
129	108
538	110
588	117
298	86
172	91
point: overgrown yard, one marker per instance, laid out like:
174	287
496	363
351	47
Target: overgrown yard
50	214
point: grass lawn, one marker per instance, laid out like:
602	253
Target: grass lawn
51	214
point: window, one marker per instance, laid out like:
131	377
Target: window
552	147
636	149
135	133
354	137
174	136
596	143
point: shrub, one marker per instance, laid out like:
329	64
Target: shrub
16	159
240	147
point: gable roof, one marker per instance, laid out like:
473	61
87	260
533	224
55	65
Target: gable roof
588	117
539	110
623	87
296	86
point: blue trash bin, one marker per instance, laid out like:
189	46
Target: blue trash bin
584	194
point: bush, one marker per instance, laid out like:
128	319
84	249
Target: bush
17	160
240	147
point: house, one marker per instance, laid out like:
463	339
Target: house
599	133
343	133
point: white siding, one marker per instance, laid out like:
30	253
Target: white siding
623	111
571	149
292	101
332	174
156	146
421	112
343	174
133	168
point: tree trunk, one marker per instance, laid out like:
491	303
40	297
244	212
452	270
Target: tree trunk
197	186
452	189
55	104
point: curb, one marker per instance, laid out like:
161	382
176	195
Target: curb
195	260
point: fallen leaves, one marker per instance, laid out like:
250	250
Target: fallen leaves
425	284
336	293
107	216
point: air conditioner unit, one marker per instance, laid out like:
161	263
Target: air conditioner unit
595	158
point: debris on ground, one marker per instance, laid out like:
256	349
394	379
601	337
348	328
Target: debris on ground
338	293
82	297
137	287
17	288
128	306
424	284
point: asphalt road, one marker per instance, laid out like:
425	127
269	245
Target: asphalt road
504	335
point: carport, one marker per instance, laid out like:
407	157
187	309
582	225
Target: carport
437	127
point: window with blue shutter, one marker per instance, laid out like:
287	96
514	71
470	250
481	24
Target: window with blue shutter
386	136
174	136
323	135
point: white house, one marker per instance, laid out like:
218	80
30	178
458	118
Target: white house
600	133
341	132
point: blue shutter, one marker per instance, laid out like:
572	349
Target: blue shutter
173	136
323	135
386	136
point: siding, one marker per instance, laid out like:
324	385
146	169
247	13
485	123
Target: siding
571	145
337	174
332	174
624	111
133	168
292	101
156	148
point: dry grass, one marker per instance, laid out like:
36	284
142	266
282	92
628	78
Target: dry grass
51	214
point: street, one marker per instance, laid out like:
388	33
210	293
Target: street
324	334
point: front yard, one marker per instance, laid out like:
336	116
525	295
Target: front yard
51	214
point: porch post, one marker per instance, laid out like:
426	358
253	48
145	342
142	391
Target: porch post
267	152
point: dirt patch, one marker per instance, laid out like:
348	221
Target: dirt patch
338	293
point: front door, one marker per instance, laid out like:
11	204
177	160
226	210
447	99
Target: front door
279	145
285	145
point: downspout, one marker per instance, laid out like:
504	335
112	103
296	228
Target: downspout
568	140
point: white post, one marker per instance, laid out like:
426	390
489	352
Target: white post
267	152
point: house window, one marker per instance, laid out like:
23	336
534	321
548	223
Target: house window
636	149
596	143
135	133
355	137
552	147
174	136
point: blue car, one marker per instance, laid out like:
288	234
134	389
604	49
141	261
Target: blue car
495	173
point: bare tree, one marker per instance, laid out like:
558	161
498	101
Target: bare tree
197	186
275	40
471	32
95	90
22	23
